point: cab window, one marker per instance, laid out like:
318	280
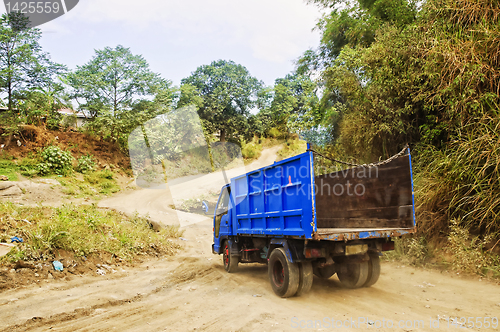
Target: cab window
223	205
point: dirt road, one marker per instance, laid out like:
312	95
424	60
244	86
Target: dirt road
157	203
192	292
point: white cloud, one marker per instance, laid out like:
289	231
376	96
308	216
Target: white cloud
274	30
177	36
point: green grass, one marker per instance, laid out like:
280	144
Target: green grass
81	230
292	147
252	150
13	167
93	185
459	252
9	169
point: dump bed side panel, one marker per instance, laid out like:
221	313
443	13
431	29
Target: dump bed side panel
275	200
379	197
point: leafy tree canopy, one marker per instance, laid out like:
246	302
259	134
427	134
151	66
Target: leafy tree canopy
295	103
224	93
113	81
354	23
23	65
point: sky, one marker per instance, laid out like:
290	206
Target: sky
176	37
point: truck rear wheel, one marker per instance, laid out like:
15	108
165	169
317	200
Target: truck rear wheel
230	262
305	278
353	275
373	270
283	274
324	272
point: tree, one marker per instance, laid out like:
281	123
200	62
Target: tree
354	23
119	91
228	92
113	81
37	104
23	65
295	104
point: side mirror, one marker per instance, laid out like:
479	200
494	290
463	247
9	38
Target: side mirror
204	206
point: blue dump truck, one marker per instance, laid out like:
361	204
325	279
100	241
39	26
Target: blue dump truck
303	225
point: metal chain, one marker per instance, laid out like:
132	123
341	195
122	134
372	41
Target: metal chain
383	162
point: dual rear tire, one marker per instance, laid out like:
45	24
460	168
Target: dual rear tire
294	279
359	274
287	278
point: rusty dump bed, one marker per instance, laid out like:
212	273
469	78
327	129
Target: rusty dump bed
365	202
285	199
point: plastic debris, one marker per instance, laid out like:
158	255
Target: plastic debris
16	239
57	266
183	239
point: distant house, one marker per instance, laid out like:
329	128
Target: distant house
81	119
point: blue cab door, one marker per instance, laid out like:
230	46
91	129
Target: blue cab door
222	223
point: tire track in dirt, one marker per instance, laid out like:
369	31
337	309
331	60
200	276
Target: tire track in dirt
192	292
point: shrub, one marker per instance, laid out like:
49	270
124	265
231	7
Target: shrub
274	133
292	147
412	250
85	164
55	161
469	254
251	150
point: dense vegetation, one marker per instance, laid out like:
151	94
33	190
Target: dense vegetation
394	73
424	73
386	73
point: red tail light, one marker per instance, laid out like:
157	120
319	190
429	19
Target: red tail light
312	252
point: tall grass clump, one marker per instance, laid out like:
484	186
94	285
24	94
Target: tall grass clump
81	230
470	253
415	251
463	181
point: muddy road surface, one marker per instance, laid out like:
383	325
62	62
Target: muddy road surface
192	292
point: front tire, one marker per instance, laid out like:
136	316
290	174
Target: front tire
353	275
283	275
230	262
